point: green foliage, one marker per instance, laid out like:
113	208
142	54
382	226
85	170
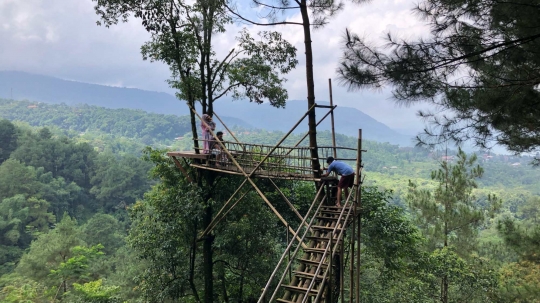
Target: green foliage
82	120
164	232
256	72
524	242
23	291
8	139
50	250
246	249
168	222
396	269
164	257
471	280
76	268
386	232
21	216
119	182
95	292
16	178
459	68
21	219
450	214
60	156
520	282
103	229
125	268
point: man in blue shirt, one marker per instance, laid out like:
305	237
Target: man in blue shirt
347	176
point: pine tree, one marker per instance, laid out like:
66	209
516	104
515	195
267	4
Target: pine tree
481	61
449	216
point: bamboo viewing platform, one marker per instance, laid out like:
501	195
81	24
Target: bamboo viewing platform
313	266
259	160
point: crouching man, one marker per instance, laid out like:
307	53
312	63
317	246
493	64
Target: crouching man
347	176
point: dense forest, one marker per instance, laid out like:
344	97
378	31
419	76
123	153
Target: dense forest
90	213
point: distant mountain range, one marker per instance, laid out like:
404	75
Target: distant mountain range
20	85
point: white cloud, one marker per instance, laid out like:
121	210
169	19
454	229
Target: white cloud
372	20
60	38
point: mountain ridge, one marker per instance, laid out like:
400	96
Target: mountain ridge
49	89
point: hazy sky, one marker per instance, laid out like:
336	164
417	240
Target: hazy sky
60	38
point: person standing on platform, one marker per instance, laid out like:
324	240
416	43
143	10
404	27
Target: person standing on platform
217	150
206	125
347	176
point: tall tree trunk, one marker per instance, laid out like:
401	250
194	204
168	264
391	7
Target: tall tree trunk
312	123
208	267
224	295
194	128
444	290
192	259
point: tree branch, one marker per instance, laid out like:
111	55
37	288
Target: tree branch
227	90
257	23
508	43
275	7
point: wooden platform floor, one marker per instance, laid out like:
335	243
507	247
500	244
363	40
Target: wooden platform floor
188	154
260	173
230	168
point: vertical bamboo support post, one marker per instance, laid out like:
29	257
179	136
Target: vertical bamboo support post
330	256
332	118
358	207
351	276
341	269
289	255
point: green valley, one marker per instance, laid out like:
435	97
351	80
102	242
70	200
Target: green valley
92	211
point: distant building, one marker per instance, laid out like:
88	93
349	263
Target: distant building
447	158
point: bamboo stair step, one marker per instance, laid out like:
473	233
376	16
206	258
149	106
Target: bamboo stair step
333	218
314	250
307	275
298	289
326	227
311	262
325	239
330	211
332	207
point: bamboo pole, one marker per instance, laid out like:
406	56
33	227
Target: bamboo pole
179	165
224	125
217	219
283	139
332	118
359	201
341	269
289	246
351	270
211	225
248	176
304	137
287	200
331	259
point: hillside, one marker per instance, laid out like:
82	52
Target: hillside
32	87
347	120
